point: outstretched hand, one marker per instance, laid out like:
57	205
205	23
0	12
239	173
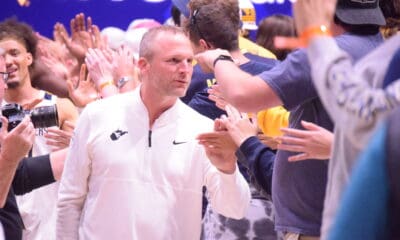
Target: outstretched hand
99	66
313	143
84	35
216	96
85	90
239	125
219	148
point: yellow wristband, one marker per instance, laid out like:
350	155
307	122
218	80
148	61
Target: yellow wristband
314	31
105	84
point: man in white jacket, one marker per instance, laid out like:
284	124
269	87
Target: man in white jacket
135	169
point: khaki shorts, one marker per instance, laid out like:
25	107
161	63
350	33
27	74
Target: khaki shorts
296	236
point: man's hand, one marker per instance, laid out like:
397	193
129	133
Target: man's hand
84	35
84	92
311	13
315	142
220	149
215	95
58	138
16	144
100	69
239	126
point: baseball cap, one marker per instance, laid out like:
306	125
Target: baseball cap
360	12
182	6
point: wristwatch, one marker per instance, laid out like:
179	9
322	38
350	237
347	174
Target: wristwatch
222	57
121	82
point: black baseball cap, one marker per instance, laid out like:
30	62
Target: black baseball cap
360	12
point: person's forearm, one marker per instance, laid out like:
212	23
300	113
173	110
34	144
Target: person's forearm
32	173
260	160
246	92
230	194
7	172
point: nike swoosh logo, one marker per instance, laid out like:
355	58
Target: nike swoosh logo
177	143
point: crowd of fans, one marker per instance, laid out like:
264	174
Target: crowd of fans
189	129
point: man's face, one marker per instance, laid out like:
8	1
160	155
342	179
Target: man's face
170	69
2	69
17	61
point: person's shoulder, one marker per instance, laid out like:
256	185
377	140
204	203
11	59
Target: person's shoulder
66	110
198	73
247	45
110	104
353	43
257	66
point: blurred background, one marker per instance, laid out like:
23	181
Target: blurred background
43	14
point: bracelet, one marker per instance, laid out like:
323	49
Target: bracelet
314	31
223	57
105	84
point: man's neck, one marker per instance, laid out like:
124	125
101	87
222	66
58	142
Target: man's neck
155	105
238	56
21	94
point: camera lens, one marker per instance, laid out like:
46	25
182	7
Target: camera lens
45	116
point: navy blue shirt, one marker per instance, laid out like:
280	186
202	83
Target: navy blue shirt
201	80
207	107
393	72
298	188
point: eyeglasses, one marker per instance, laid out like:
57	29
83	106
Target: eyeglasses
5	76
193	22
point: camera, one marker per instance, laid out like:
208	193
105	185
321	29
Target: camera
41	117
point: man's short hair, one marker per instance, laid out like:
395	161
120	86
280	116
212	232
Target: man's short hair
217	23
150	38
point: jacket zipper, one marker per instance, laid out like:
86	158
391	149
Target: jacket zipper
149	138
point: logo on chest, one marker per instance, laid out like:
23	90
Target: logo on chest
117	134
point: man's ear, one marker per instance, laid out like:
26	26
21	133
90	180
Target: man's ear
204	45
29	58
143	64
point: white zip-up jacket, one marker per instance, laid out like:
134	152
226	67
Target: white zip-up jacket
123	180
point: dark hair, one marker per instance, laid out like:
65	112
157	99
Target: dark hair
216	23
20	31
176	15
390	8
364	29
272	26
391	11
